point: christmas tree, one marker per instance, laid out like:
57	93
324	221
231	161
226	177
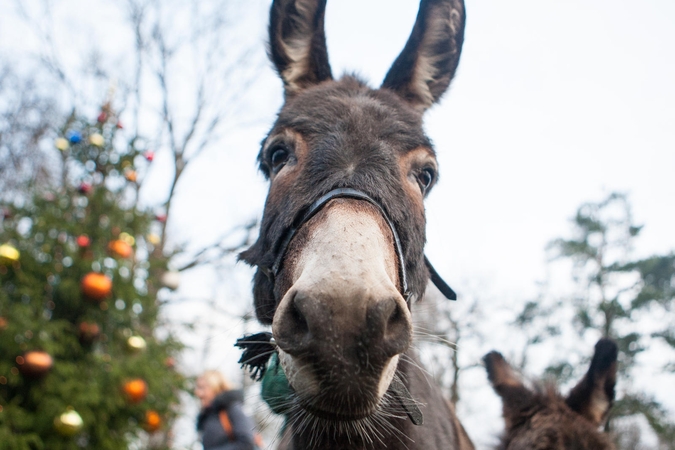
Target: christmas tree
82	364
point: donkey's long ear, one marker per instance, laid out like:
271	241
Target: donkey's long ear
298	43
516	398
425	67
594	395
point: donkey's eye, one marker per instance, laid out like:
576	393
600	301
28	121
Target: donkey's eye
278	157
425	178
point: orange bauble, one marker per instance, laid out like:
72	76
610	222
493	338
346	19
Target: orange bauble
131	175
136	390
120	248
35	364
152	421
96	286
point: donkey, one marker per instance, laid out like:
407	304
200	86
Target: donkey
340	254
543	420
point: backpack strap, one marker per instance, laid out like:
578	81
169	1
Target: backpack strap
227	426
258	441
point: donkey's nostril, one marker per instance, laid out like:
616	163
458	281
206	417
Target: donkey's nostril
399	329
297	317
395	319
389	322
290	326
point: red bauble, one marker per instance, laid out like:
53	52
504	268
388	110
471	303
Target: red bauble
96	286
89	332
149	155
35	364
84	188
161	218
102	117
83	241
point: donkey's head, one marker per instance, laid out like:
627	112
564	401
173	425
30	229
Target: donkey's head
340	251
543	419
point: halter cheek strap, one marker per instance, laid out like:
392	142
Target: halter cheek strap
439	282
315	207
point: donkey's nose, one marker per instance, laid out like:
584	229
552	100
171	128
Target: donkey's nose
308	322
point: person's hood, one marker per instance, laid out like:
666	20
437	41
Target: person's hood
221	402
226	398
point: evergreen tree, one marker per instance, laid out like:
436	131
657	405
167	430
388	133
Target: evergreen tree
83	360
629	300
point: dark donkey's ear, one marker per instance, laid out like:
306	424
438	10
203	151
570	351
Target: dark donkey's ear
516	398
298	43
427	64
594	395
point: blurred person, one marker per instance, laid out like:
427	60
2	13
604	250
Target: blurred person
222	423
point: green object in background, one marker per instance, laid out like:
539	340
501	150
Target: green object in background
275	388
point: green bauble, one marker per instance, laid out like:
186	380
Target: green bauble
69	423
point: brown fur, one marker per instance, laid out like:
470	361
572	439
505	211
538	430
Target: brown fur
541	419
344	134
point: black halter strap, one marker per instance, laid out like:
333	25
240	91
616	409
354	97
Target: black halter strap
315	207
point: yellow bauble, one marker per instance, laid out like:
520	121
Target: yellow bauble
62	144
8	253
97	140
126	237
69	423
136	344
153	238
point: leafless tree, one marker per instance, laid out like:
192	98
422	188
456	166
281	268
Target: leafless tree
180	90
26	118
443	330
177	82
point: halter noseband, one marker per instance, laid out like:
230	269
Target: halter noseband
315	207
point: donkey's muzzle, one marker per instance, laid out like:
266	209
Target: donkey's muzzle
367	331
340	355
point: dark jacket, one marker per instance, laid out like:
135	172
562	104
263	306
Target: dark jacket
213	435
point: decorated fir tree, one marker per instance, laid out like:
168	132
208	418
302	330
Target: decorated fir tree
81	361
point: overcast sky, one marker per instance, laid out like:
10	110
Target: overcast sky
554	104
